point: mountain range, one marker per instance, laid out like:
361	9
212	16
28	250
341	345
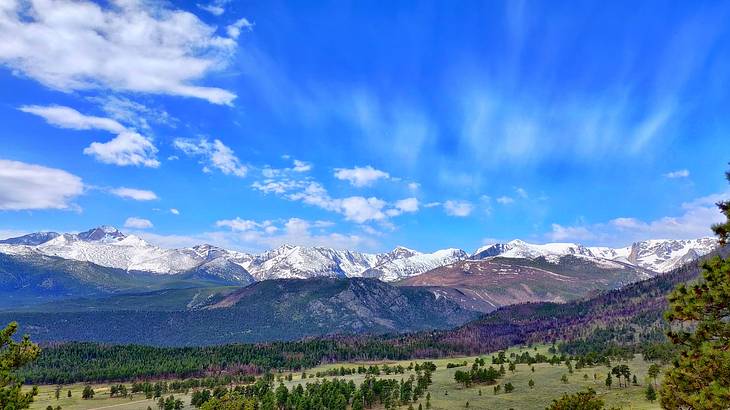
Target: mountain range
49	278
44	266
108	247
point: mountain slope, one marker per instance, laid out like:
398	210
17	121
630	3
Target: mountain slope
30	279
487	284
282	309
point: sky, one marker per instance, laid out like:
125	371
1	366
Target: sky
364	125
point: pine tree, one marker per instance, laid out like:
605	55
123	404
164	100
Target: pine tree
654	371
700	376
531	383
14	355
650	393
585	400
722	230
88	393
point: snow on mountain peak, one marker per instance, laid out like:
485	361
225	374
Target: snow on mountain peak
658	255
107	246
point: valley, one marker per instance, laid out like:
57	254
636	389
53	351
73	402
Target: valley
445	392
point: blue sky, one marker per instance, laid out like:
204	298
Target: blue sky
364	125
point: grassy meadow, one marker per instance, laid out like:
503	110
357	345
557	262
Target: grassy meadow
445	392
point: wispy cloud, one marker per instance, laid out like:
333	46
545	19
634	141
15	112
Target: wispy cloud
135	194
67	117
213	155
458	208
680	173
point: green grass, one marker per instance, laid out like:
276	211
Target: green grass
101	399
548	386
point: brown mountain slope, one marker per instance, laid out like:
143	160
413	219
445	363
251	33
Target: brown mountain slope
485	285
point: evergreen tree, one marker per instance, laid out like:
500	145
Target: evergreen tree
531	383
609	381
650	392
88	393
654	371
13	356
700	376
722	230
585	400
69	394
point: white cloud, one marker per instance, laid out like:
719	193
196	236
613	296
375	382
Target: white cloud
214	154
234	30
242	225
301	166
129	45
263	235
28	186
137	223
413	186
505	200
432	204
127	148
693	221
565	233
458	208
132	193
216	8
133	113
407	205
66	117
521	192
360	176
680	173
359	209
174	211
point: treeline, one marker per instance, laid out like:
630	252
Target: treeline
87	362
326	394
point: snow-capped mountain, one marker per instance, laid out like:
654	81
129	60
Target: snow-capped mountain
302	262
107	246
414	264
658	255
30	239
521	249
665	255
